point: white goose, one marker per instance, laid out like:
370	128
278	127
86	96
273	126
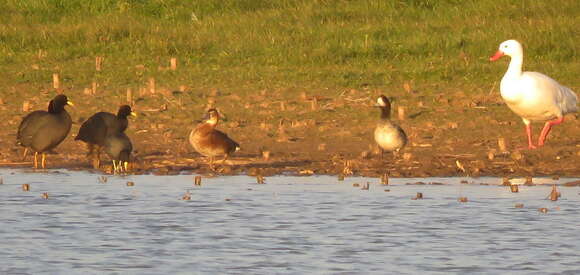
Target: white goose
533	96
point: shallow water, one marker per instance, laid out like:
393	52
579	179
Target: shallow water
299	225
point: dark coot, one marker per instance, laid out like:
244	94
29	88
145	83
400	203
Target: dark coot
41	131
118	147
95	130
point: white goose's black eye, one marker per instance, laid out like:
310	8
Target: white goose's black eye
505	46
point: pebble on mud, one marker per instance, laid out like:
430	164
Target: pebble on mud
44	196
355	185
462	199
260	179
341	177
197	180
519	205
130	183
26	187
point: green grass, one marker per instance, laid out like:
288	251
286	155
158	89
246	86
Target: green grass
258	44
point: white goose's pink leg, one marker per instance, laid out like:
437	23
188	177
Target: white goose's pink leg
547	128
529	132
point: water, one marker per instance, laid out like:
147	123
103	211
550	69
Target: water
291	225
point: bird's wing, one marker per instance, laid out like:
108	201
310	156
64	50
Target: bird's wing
30	124
92	130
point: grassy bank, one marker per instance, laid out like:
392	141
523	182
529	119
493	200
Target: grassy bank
282	43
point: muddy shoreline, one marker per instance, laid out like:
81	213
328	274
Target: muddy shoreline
298	133
516	164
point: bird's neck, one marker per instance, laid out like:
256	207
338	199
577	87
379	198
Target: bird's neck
212	121
54	108
515	67
206	127
386	112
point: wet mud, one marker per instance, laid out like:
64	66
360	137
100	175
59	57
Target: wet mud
311	133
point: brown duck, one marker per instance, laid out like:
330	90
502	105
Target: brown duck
209	141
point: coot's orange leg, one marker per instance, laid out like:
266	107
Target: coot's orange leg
43	160
35	160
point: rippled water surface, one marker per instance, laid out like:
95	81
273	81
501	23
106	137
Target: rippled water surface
297	225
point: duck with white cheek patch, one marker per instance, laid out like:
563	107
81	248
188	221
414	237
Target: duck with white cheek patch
388	135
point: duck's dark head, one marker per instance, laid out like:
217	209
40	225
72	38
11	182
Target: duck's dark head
385	105
56	105
125	111
212	117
